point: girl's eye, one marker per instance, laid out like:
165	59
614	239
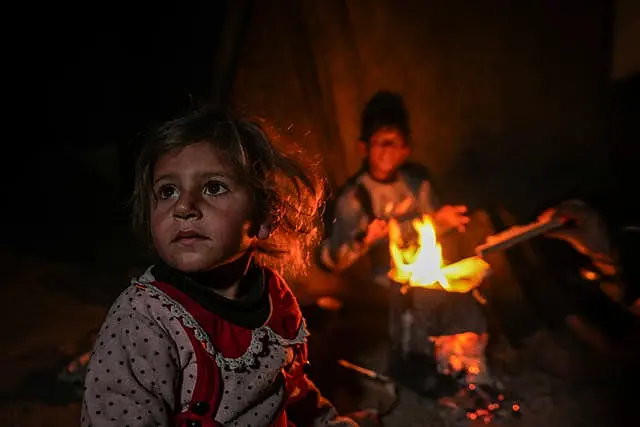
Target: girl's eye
214	188
167	191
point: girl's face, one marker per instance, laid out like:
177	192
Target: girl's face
202	215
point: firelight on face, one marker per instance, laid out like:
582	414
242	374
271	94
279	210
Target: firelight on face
201	216
387	151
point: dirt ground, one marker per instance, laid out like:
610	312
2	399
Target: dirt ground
52	307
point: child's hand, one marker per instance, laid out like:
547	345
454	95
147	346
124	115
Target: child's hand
449	217
378	229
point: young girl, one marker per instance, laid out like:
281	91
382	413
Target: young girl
210	335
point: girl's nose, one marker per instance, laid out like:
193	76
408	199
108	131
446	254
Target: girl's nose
187	207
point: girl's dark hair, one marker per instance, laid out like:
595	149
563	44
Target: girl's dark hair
285	185
384	110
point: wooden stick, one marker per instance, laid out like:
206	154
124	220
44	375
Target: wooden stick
363	371
517	234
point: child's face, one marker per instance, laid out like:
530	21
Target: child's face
386	152
202	216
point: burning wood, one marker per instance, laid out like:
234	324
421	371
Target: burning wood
438	330
438	309
421	263
454	324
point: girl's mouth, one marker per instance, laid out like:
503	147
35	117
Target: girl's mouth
189	236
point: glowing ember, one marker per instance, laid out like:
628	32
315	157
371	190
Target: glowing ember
459	352
421	264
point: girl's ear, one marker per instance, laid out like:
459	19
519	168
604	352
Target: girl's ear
264	231
266	227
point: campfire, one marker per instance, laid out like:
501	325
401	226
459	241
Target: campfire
436	320
438	306
420	263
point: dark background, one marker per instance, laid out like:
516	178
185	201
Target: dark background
512	106
110	72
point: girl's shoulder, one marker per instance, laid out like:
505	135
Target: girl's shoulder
286	317
279	289
141	301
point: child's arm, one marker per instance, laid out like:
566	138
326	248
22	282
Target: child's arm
305	405
309	408
447	217
427	199
345	245
132	373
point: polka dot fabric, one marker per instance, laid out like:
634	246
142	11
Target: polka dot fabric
143	369
132	375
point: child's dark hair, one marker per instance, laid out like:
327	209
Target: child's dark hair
286	186
384	110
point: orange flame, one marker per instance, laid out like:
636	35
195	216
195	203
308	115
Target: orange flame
421	264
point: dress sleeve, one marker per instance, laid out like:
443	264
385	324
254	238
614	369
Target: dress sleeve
344	246
427	198
132	374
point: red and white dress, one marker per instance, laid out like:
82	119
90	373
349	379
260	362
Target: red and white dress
173	353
